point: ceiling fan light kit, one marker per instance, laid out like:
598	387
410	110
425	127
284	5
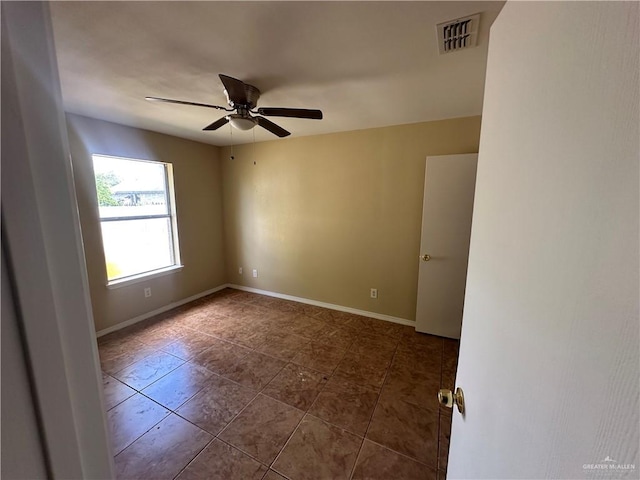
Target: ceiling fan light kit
240	122
243	99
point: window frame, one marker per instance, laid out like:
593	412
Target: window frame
171	215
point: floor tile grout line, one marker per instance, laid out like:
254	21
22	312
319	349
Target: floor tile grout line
287	442
120	402
214	437
254	349
217	436
242	451
194	457
384	446
231	421
386	373
296	429
327	378
174	410
144	433
334	424
123	400
355	464
126	366
237	415
228	423
361	331
409	457
259	352
242	358
314	369
242	410
157	351
170	411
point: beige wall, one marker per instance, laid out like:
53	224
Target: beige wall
197	178
329	217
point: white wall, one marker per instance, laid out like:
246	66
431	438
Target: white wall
22	449
42	241
550	338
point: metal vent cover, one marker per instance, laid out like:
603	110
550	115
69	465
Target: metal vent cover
458	34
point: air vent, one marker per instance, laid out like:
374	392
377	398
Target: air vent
458	34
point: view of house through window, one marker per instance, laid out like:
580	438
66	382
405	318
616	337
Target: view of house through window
139	232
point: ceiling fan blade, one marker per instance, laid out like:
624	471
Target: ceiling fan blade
182	102
235	89
272	127
217	124
291	112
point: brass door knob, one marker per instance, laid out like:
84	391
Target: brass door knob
426	257
447	398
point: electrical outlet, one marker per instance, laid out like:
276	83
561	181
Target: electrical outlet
240	270
255	273
374	293
147	292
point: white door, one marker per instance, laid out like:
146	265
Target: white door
449	184
550	336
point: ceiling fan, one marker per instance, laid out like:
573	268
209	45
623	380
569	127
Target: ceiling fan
243	98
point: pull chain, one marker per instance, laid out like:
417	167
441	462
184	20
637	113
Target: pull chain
231	132
254	145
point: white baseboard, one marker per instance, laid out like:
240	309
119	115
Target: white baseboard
331	306
158	311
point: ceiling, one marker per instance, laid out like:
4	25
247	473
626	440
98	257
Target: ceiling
364	64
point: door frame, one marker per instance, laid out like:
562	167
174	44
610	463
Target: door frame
45	259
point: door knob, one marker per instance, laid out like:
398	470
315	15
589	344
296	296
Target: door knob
426	257
447	398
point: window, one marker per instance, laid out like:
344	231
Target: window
137	216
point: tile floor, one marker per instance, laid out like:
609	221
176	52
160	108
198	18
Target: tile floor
243	386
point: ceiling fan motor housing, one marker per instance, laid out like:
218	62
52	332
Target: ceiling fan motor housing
252	94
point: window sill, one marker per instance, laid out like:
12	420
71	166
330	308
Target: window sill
143	277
